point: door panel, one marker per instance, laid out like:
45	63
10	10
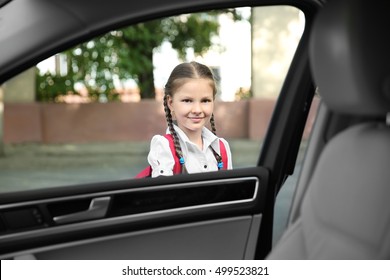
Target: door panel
215	239
206	214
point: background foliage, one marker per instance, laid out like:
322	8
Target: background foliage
128	54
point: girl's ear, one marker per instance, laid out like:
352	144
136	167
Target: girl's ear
169	102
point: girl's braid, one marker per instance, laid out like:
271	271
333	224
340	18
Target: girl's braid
176	141
212	122
214	130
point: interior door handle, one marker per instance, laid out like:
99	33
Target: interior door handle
97	209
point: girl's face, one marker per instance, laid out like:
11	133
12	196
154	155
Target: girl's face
192	104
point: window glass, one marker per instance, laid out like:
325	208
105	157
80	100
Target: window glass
88	114
285	195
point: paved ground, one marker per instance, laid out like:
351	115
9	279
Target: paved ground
31	166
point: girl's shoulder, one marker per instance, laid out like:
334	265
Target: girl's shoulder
161	139
164	136
224	141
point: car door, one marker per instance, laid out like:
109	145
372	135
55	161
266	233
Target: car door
216	215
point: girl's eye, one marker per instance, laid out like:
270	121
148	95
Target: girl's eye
186	100
206	100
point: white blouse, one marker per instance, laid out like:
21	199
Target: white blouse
162	161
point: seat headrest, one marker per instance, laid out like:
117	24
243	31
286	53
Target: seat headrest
350	56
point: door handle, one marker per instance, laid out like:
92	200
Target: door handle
97	209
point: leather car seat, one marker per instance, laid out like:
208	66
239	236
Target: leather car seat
345	213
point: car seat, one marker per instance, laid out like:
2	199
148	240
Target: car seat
345	212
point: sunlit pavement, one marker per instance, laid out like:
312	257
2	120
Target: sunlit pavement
32	166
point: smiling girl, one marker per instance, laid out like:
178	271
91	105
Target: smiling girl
189	104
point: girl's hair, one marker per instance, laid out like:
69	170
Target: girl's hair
179	76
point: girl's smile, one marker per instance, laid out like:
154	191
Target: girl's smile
196	119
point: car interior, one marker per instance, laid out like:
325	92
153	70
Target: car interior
343	213
339	206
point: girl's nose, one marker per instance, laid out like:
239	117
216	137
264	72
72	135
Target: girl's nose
196	108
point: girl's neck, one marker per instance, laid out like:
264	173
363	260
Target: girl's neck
198	141
195	137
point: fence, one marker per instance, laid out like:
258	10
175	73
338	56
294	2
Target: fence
109	122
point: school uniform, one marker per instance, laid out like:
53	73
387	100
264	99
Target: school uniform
162	161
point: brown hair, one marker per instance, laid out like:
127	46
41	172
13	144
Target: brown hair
179	76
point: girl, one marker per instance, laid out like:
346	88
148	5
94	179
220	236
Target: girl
189	99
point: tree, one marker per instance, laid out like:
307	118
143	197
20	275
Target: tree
128	53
